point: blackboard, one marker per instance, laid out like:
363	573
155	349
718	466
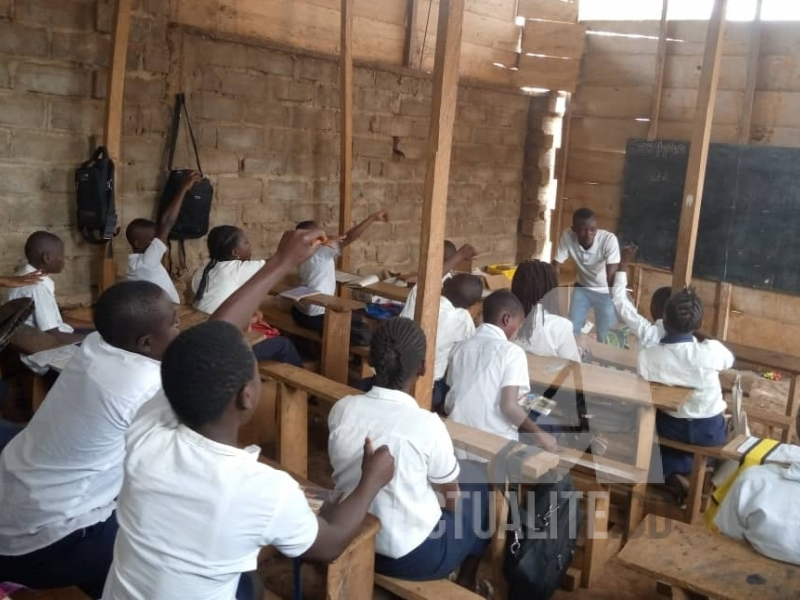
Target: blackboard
749	230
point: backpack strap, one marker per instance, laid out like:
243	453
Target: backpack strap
182	100
173	134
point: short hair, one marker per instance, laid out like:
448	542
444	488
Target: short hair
137	225
684	311
499	302
40	242
659	300
203	369
306	225
221	242
396	352
532	283
582	214
468	288
449	250
127	311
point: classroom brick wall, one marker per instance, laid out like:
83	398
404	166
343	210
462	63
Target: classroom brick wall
267	121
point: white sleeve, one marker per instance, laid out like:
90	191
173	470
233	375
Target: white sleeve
562	252
154	253
246	270
45	312
569	347
611	250
410	305
722	357
626	310
516	370
293	527
443	466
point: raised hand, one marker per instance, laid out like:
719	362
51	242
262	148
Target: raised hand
21	280
298	245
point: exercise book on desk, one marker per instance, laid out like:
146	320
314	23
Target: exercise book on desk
298	293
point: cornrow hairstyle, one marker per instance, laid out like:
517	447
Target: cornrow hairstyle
532	283
582	214
40	242
684	312
203	369
127	311
499	302
397	351
221	242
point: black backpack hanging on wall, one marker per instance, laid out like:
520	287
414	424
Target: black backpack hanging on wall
193	219
94	187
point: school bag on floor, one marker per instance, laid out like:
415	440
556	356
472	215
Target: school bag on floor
94	187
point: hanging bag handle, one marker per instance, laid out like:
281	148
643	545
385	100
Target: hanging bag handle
180	107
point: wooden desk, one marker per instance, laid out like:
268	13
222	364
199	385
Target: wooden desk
731	450
609	355
390	291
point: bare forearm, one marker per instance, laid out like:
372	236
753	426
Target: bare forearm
356	232
167	220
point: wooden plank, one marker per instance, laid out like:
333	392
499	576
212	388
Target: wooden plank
561	184
619	69
112	130
346	123
314	384
553	39
594	166
596	533
723	310
390	291
611	135
352	574
550	10
613	102
335	337
411	46
698	152
604	197
437	177
293	429
547	72
786	363
440	589
792	405
752	77
776	109
658	81
698	560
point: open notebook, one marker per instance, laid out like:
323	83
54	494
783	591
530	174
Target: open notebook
299	293
318	497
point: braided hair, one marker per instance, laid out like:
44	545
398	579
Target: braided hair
684	312
533	281
397	351
203	369
221	242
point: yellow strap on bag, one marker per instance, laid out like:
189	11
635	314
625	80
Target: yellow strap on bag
756	455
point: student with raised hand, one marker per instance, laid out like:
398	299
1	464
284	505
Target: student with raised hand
60	476
195	509
488	374
148	242
229	267
680	359
45	254
418	539
544	331
596	255
648	333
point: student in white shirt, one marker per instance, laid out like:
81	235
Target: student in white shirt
60	477
596	255
648	333
319	273
488	374
45	254
195	509
544	331
16	281
418	540
229	267
682	360
148	242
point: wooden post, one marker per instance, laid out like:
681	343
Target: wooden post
112	133
752	77
658	84
698	153
411	43
723	310
346	167
437	178
561	184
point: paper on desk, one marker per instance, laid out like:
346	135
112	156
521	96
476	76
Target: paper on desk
55	359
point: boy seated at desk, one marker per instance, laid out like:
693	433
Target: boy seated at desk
648	333
148	242
195	509
319	273
45	254
488	374
680	359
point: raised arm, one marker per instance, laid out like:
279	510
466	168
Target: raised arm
619	296
466	252
356	232
170	214
295	247
21	280
510	407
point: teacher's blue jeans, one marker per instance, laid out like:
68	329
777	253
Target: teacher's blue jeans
584	300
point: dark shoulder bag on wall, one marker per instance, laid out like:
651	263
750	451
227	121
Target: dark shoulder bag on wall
193	219
94	187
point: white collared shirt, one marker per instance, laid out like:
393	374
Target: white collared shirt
690	364
480	368
46	315
193	513
64	470
411	302
552	336
224	278
147	266
423	452
590	264
318	272
763	507
455	325
648	334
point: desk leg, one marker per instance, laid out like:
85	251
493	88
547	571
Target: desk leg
791	410
352	575
644	454
336	345
497	546
293	429
597	508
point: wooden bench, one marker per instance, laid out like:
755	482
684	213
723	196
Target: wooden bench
692	559
440	589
